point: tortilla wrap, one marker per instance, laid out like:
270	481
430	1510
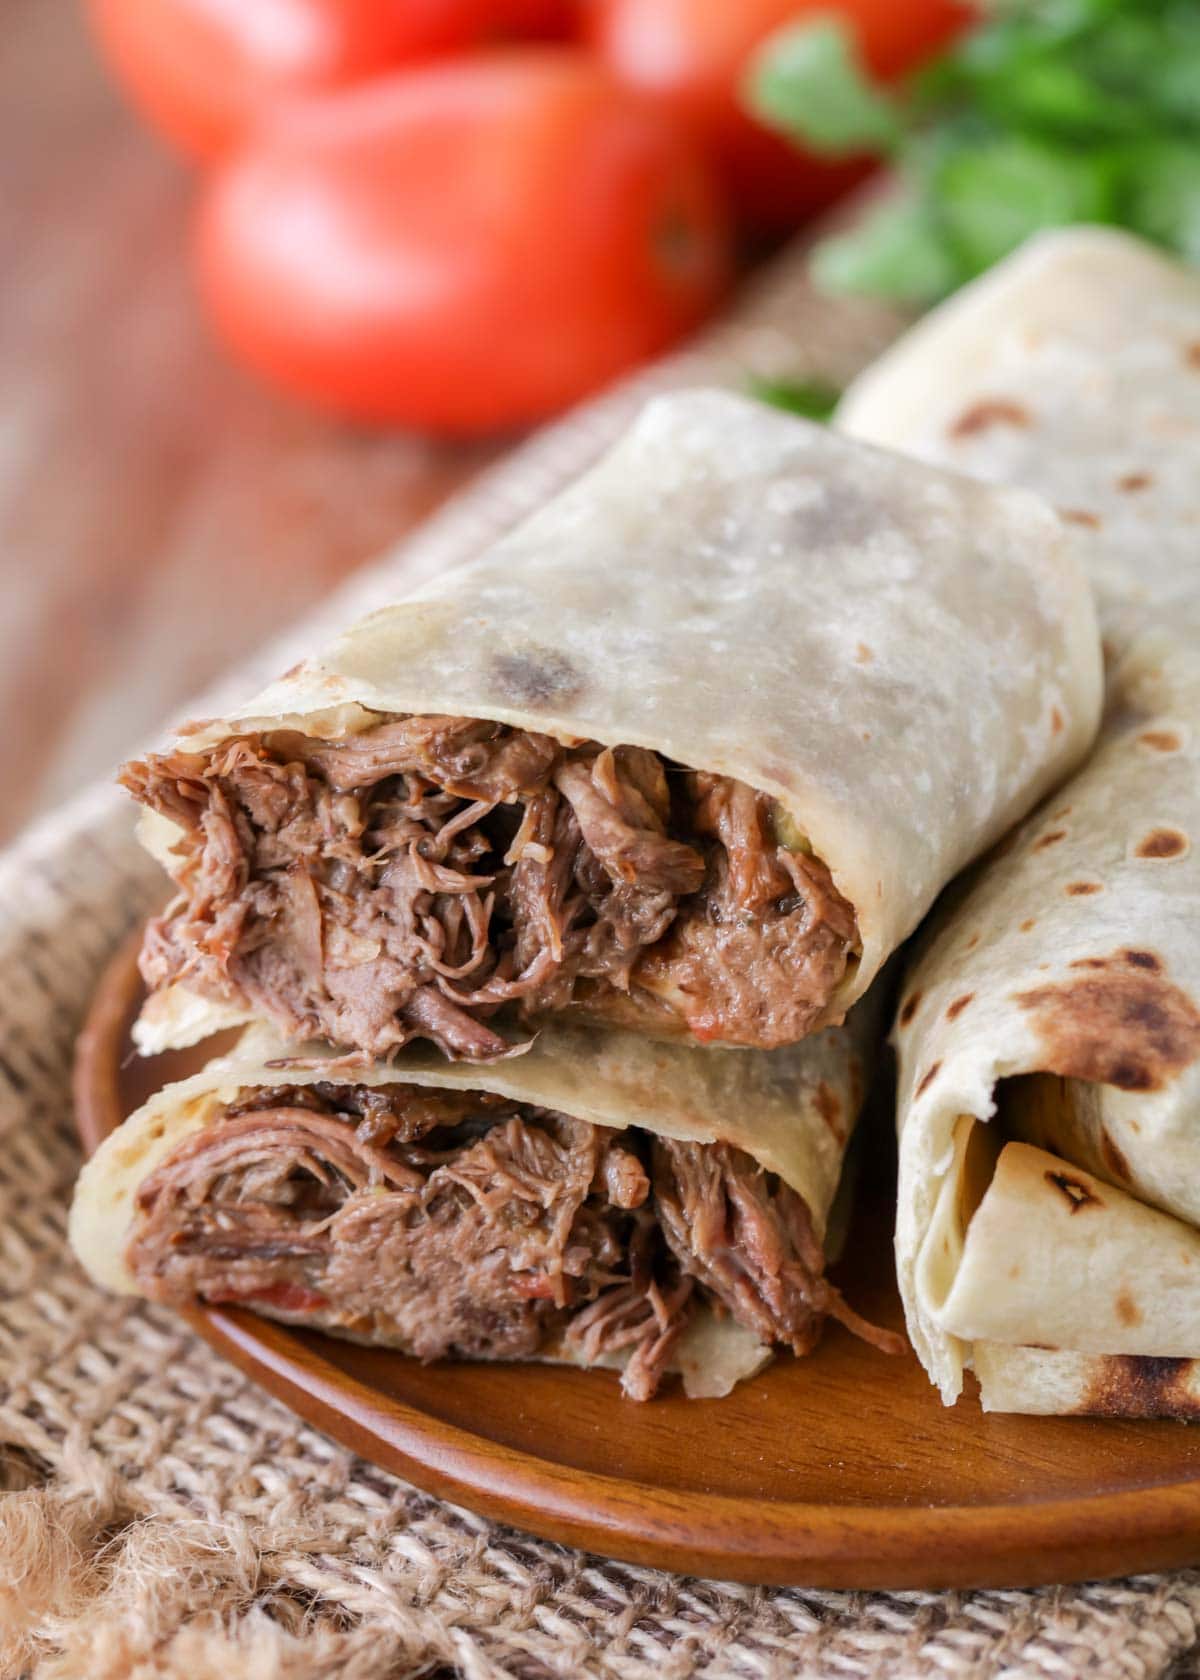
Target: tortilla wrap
1073	369
1071	954
792	1111
904	660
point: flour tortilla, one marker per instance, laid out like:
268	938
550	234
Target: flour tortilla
1120	1338
792	1109
905	659
1074	367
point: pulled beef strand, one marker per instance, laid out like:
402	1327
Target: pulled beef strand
411	880
747	1239
463	1224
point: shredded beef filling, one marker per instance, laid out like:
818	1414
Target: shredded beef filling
462	1224
414	879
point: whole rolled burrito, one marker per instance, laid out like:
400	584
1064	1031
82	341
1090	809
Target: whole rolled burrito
602	1199
1056	1249
690	752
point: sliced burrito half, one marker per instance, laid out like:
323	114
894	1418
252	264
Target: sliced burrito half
690	752
1057	997
602	1199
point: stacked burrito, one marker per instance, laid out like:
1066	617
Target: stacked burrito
552	900
1048	1226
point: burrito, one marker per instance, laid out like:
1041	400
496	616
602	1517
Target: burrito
688	754
603	1199
1056	1248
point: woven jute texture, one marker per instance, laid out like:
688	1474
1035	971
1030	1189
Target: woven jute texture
165	1518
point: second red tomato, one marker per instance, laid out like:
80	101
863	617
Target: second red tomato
691	55
464	247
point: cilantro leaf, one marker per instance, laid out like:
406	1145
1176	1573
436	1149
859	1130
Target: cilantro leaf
992	196
899	251
813	399
1049	112
807	82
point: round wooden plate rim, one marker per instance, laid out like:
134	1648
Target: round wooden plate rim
890	1544
460	1461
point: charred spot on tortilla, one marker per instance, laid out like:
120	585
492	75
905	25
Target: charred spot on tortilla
1160	740
1191	354
1076	1192
1162	843
293	670
1142	959
1133	481
991	411
1112	1157
1080	889
1051	839
1133	1385
928	1077
1127	1308
827	1105
1056	721
536	675
1028	925
863	654
858	1084
1133	1029
1080	516
909	1008
973	941
955	1009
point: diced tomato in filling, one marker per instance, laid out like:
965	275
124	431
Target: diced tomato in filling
284	1297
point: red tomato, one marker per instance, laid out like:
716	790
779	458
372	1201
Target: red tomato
463	247
200	71
690	54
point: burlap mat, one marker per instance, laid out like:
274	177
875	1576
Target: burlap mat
167	1519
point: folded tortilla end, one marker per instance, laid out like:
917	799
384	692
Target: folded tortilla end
174	1018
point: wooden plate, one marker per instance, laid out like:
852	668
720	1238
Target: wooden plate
842	1470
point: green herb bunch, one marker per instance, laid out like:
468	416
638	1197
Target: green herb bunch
1049	112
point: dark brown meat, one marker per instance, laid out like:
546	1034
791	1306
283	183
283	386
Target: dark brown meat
761	962
623	830
384	1113
639	1319
414	879
747	1239
460	1223
439	1222
467	757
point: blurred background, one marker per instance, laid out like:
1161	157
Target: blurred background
278	276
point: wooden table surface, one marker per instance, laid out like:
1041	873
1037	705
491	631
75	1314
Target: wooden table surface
160	514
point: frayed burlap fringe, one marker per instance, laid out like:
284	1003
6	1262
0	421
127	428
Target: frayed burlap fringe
165	1520
92	1584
